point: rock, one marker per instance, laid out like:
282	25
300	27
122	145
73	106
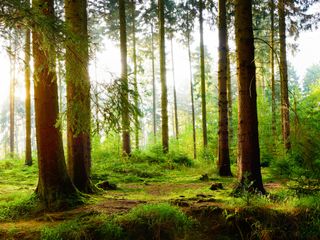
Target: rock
216	186
107	186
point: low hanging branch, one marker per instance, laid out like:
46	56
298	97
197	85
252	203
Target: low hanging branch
107	100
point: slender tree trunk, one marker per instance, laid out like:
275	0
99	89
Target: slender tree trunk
126	146
135	83
164	97
229	94
153	86
174	94
78	96
54	186
203	80
223	158
27	51
12	94
285	117
248	141
273	92
192	101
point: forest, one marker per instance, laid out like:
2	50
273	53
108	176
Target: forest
159	119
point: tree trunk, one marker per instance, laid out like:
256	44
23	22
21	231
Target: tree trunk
248	141
54	186
135	83
164	97
126	146
78	95
153	86
174	94
192	102
27	51
12	94
223	158
203	80
285	117
229	95
273	92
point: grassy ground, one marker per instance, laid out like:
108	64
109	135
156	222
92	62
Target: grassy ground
158	197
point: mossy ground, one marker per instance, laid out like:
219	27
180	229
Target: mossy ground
161	198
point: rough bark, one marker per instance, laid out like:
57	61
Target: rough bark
27	51
164	94
78	95
248	141
285	117
203	80
229	95
223	155
126	145
54	186
174	94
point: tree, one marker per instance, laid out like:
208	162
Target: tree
27	52
78	95
135	70
272	49
203	80
285	114
126	146
164	95
223	157
13	62
54	185
248	141
311	77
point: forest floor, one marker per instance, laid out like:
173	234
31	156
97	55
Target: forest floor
196	191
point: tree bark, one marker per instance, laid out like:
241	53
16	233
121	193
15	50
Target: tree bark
27	51
203	80
248	141
194	137
54	186
135	83
126	146
12	93
223	157
229	95
78	95
273	91
174	93
164	97
153	86
285	116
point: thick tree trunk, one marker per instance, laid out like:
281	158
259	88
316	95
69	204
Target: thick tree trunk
229	95
78	95
194	137
203	80
285	117
135	83
164	97
154	110
27	54
54	186
223	158
273	91
174	94
126	146
248	141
